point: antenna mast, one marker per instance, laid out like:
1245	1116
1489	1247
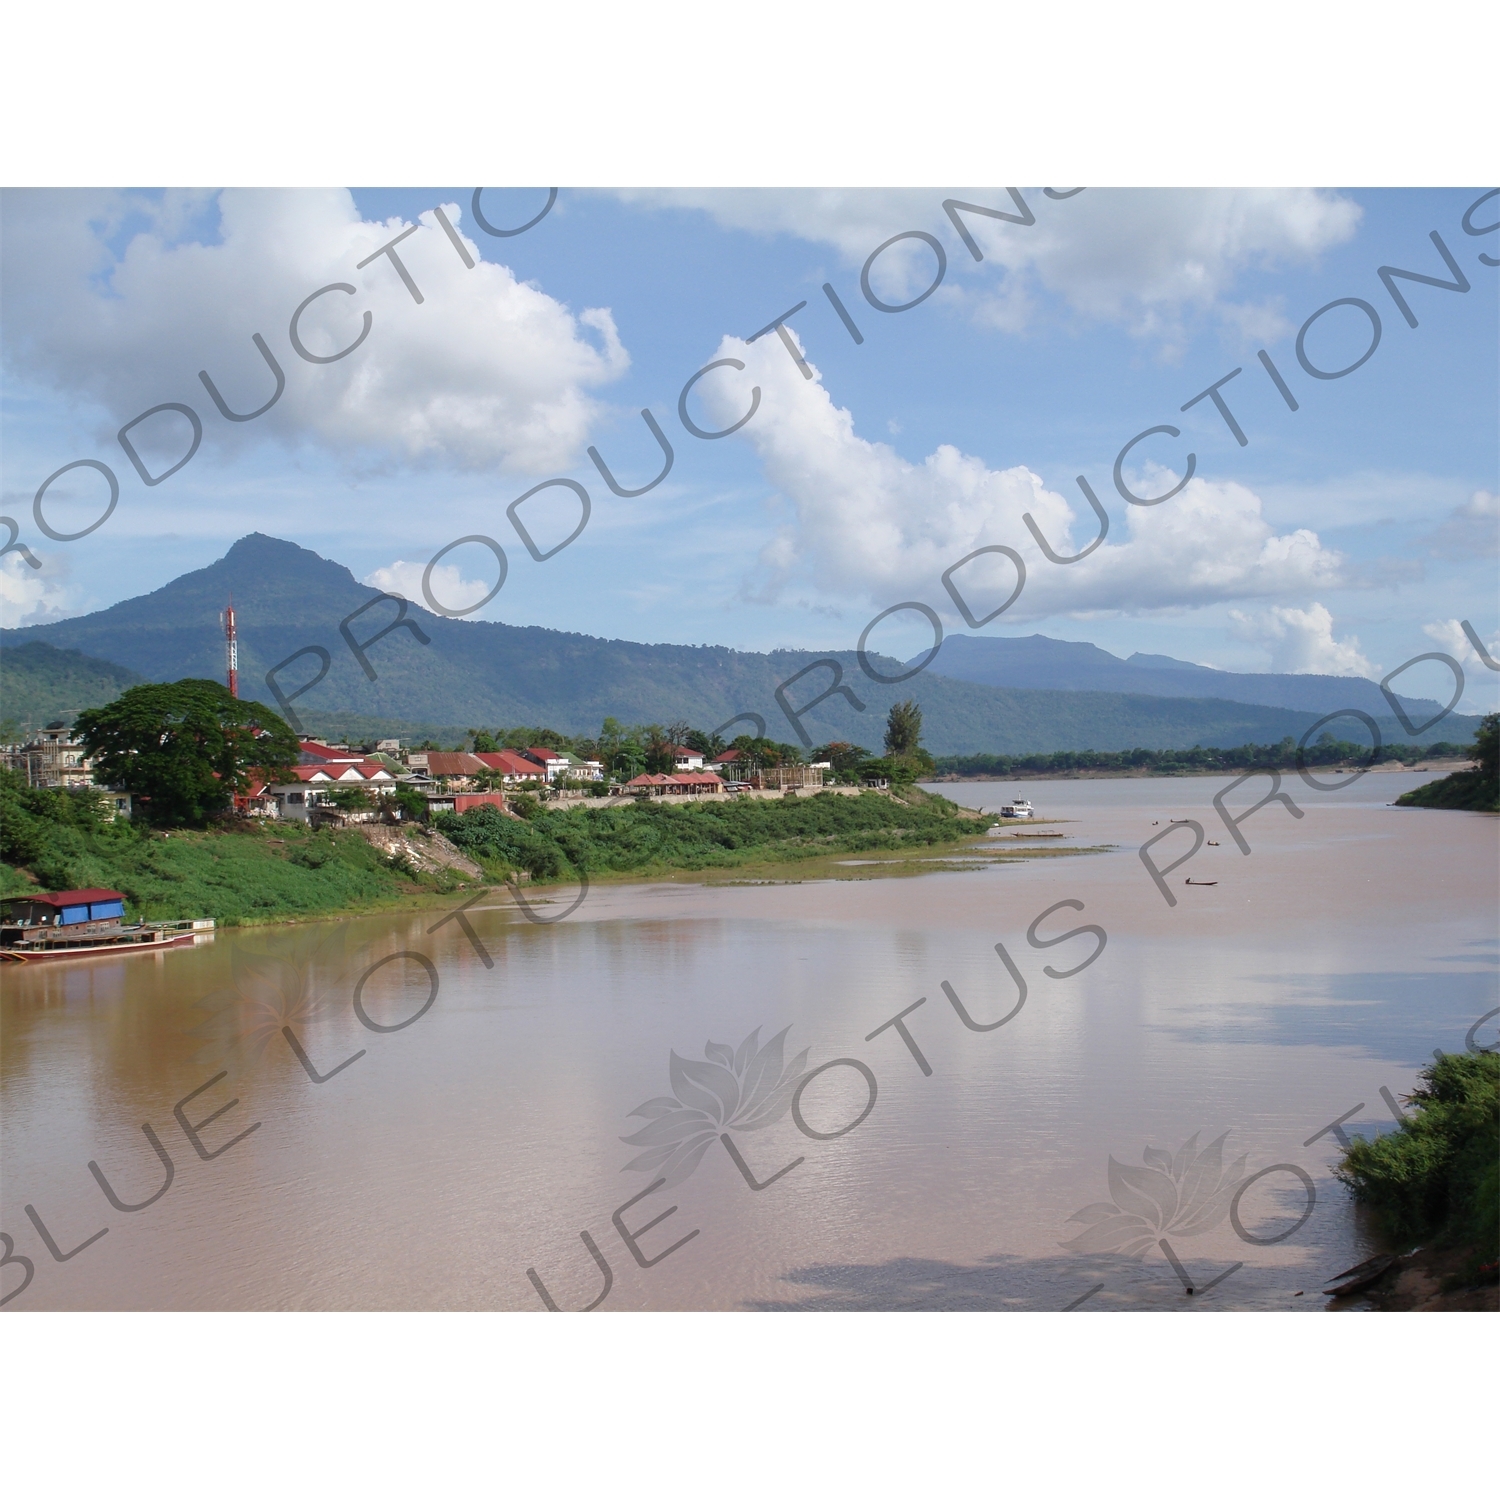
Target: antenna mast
231	649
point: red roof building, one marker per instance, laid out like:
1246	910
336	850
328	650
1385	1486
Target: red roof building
511	765
452	763
300	789
692	784
316	750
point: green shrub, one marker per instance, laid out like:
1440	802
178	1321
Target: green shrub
412	803
638	835
1437	1177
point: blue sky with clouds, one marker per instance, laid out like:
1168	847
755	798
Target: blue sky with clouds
1348	535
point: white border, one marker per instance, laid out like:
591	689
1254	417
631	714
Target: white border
1290	92
832	1404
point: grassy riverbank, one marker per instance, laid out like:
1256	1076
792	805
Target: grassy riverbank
253	871
644	839
248	873
1474	789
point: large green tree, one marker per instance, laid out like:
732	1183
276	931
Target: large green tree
903	729
184	748
905	759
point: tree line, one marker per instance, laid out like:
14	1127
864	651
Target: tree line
185	749
1282	756
629	750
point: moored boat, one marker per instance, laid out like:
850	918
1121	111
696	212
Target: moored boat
51	925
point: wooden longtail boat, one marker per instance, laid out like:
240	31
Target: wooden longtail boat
45	926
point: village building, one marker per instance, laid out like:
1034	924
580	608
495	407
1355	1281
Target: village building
554	763
738	769
321	769
457	768
787	778
461	802
692	784
579	769
515	768
51	758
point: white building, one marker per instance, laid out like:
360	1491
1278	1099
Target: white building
325	768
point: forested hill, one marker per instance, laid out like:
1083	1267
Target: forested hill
39	683
478	672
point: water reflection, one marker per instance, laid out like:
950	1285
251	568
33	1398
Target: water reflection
431	1166
1391	1014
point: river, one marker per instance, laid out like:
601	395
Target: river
480	1138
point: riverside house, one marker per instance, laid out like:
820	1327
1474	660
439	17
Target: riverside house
515	768
322	768
579	769
692	784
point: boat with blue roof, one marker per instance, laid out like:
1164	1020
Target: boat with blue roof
43	925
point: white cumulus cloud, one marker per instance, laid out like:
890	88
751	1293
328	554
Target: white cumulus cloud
122	300
869	525
30	596
1144	258
1301	640
1450	635
449	587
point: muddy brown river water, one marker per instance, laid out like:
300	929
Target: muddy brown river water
933	1165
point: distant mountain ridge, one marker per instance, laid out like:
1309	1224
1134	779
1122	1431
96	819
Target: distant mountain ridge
1037	661
290	600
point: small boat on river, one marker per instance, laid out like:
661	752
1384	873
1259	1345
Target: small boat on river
51	925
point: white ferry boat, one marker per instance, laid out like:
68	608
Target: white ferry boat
1020	809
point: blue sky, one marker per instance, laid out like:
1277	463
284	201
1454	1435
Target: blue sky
1348	536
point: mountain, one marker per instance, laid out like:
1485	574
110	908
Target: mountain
1037	661
39	683
288	599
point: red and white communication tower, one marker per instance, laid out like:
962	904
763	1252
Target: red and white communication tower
231	648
